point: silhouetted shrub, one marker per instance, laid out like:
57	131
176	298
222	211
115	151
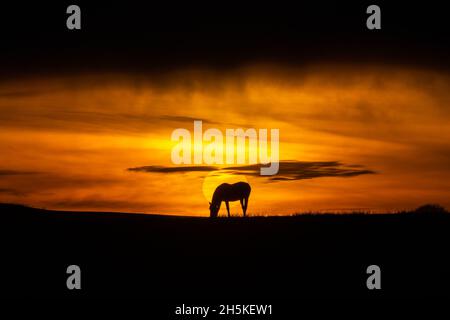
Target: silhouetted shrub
433	209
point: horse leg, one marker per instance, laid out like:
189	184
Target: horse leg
228	208
242	205
245	206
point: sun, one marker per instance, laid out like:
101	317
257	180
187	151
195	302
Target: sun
214	179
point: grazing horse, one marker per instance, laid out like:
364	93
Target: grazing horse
229	192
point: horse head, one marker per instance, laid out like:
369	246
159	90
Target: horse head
213	209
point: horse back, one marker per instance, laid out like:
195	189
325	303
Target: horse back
233	192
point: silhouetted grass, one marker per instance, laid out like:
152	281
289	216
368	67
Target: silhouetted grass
162	257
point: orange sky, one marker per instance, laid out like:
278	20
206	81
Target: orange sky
68	142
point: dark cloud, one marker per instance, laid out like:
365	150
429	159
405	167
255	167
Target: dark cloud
101	204
44	184
163	169
15	172
288	170
300	170
9	191
183	119
222	37
20	93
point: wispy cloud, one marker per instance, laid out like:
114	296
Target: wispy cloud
184	119
100	204
19	93
300	170
13	192
164	169
190	120
288	170
7	172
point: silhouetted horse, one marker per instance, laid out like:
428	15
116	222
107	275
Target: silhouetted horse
229	192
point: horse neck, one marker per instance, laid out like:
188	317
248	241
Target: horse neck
216	199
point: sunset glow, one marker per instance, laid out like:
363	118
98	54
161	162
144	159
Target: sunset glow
69	142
